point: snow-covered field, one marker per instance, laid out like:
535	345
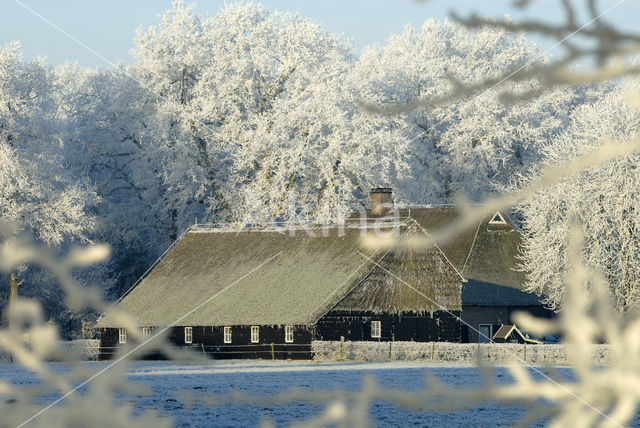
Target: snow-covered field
170	381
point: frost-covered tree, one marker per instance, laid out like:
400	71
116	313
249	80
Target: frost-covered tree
252	116
605	201
39	195
259	122
472	146
258	118
109	121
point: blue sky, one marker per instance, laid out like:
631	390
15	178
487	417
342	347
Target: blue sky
108	27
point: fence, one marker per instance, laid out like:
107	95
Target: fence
88	350
80	349
451	352
267	351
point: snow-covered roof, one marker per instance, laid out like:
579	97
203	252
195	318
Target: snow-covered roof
510	333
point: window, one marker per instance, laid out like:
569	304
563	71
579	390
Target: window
288	334
497	219
227	335
122	335
146	333
255	334
485	333
188	335
376	329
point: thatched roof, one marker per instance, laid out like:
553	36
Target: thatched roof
486	255
481	253
310	275
407	280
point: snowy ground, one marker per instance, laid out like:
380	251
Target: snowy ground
170	380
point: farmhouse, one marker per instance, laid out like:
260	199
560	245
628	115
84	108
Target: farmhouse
486	255
269	292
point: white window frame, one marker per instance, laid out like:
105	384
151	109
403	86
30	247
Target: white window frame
146	333
122	335
500	221
227	335
188	335
288	334
255	334
376	329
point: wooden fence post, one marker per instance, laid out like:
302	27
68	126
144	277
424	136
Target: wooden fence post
341	347
525	352
273	354
390	349
433	349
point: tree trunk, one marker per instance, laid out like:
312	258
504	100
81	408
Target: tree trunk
13	287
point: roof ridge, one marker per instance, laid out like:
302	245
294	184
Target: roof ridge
445	205
473	243
348	224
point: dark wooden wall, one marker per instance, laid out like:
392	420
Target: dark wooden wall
210	341
473	316
108	343
439	326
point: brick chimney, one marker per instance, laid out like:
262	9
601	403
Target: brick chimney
381	201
